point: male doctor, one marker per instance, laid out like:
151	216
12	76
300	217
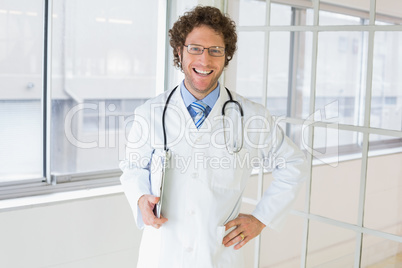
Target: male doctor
208	164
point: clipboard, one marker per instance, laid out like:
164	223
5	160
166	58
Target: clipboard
158	166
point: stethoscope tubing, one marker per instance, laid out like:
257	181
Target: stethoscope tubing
163	119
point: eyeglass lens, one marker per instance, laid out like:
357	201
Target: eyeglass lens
213	51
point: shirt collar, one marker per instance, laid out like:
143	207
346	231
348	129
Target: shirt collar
210	99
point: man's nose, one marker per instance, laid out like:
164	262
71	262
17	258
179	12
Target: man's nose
205	57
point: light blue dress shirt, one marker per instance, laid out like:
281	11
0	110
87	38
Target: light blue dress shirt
209	100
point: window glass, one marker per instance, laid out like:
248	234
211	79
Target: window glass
251	12
250	65
340	98
332	145
276	247
104	66
298	133
330	18
281	14
21	56
380	144
341	74
384	190
330	246
289	74
283	247
278	72
386	101
335	185
380	252
288	15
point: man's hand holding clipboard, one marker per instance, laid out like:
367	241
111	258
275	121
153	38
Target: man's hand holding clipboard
151	205
157	173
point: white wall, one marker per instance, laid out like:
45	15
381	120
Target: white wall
97	232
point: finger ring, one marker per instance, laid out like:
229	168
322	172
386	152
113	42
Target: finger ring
242	236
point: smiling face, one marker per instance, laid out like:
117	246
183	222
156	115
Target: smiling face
202	71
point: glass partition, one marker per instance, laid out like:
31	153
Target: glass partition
21	120
104	66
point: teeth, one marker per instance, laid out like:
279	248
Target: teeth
203	72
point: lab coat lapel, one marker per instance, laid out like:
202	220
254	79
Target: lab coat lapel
178	119
177	100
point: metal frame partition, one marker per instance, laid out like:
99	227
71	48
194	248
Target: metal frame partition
365	129
47	88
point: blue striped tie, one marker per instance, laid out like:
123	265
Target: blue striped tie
199	108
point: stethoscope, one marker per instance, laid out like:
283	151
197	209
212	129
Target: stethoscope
235	148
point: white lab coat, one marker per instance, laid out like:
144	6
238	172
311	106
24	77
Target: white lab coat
204	183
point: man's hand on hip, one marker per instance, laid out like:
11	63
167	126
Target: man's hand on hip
247	227
146	203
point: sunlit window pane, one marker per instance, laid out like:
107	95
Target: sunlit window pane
283	249
378	252
289	78
297	133
278	72
250	65
330	246
104	66
341	75
335	184
251	12
21	55
383	209
281	14
288	15
386	101
330	18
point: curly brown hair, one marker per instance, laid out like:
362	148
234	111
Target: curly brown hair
203	15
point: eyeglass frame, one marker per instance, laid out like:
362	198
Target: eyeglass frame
203	48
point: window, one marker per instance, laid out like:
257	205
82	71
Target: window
21	56
386	102
333	82
104	64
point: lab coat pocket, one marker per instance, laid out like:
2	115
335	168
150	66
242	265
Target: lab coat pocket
220	234
226	256
229	175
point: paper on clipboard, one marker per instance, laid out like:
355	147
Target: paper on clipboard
158	165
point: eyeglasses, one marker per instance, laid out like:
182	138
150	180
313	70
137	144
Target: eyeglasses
198	50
